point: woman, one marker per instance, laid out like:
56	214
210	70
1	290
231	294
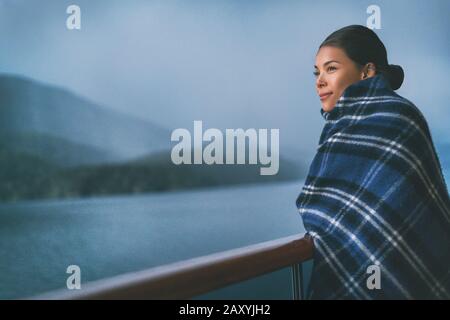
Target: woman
375	200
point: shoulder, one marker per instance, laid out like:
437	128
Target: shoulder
388	108
385	117
408	115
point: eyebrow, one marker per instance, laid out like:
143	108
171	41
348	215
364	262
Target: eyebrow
328	62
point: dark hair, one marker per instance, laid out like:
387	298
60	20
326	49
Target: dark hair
362	45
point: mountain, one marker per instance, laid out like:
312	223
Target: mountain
27	176
55	150
158	173
29	108
55	144
23	176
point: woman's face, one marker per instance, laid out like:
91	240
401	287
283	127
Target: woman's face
334	72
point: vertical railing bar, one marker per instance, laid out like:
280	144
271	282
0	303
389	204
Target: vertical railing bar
301	285
297	287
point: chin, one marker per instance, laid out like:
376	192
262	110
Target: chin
327	108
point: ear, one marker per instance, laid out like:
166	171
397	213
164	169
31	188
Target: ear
368	71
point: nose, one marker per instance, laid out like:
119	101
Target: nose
320	82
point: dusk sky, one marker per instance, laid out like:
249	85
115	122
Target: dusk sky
231	64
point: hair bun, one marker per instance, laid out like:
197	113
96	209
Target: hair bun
395	76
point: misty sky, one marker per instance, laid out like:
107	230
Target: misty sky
231	64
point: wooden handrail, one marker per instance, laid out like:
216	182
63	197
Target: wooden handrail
186	279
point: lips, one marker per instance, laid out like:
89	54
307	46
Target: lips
325	95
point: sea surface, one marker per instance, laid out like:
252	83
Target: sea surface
109	236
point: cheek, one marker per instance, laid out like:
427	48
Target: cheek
347	80
335	83
339	85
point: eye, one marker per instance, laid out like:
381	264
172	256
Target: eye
331	68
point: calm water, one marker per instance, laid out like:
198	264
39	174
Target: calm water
110	236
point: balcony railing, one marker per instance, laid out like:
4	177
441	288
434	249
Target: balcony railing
189	278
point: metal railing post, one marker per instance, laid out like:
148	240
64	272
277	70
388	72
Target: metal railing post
297	281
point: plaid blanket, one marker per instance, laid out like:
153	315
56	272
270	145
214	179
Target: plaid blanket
375	201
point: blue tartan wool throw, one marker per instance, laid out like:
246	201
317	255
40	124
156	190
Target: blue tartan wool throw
375	201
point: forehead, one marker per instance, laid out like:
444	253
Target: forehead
329	53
